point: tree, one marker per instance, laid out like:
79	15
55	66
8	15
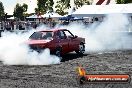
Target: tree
61	7
80	3
44	6
19	11
49	5
41	6
123	1
2	13
66	3
25	7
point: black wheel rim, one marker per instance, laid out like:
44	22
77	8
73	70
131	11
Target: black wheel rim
81	48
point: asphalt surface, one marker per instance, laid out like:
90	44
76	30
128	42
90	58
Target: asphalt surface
64	75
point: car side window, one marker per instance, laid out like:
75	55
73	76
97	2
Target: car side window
68	34
47	35
61	34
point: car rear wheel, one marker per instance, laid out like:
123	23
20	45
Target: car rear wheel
81	49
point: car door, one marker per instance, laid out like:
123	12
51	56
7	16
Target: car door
62	41
72	41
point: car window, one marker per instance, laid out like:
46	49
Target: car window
41	35
36	35
61	34
46	35
67	33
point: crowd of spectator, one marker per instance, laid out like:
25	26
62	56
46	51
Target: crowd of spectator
11	25
23	25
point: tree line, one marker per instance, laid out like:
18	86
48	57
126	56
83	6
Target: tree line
44	6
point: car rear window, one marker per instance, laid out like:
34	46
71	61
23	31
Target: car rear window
41	35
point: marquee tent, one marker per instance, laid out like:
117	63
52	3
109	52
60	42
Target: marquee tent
52	15
34	17
101	10
70	18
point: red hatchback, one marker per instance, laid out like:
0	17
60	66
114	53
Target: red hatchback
59	41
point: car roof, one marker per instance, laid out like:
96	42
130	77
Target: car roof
52	30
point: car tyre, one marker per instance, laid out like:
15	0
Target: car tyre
81	49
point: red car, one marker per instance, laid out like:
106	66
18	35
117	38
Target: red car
59	41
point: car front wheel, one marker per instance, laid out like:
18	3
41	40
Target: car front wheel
81	49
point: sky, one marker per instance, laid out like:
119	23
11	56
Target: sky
9	5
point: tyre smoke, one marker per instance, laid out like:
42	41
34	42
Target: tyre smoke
110	34
14	51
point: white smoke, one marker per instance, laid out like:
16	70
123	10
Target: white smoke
108	35
14	51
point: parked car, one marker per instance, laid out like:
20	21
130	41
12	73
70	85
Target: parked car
59	41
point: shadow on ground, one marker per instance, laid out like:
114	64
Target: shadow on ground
71	56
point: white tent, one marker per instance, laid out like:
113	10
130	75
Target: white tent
101	10
52	15
35	16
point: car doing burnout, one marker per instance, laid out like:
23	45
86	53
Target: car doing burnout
59	41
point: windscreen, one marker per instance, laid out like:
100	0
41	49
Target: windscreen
41	35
